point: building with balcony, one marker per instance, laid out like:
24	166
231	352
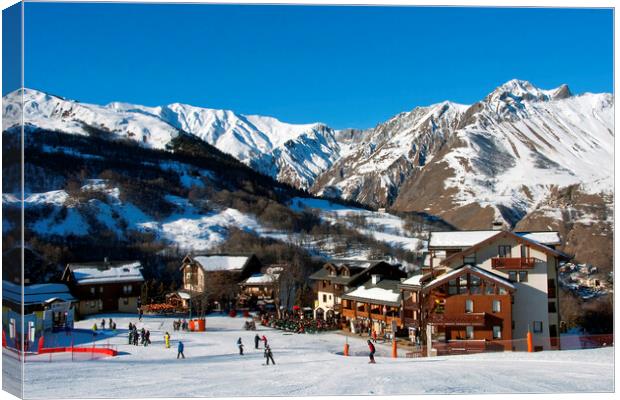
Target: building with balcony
472	272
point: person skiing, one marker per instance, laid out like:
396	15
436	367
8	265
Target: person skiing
167	340
180	348
103	324
142	335
374	336
140	312
130	336
147	338
110	323
256	340
371	347
240	344
264	339
269	355
136	336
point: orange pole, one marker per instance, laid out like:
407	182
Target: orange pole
346	349
530	342
394	348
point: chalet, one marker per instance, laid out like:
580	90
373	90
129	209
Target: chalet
216	276
108	286
488	286
260	289
375	305
333	280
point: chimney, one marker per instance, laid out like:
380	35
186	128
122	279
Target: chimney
375	278
497	225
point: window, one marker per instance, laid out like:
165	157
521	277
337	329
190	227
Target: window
497	306
553	331
463	284
127	289
489	288
469	306
92	304
330	296
470	259
324	298
522	276
552	308
504	251
502	291
100	289
474	284
92	290
452	287
512	276
497	332
537	326
469	332
126	301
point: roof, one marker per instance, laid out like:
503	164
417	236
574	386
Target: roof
472	268
184	295
110	272
503	234
323	273
384	292
260	279
414	280
211	263
36	294
462	239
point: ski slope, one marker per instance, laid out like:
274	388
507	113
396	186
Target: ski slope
306	365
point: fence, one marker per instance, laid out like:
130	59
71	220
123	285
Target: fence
62	353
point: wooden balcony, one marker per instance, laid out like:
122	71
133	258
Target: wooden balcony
473	319
515	263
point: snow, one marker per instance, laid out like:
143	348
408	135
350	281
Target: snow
413	280
86	275
35	294
184	295
375	293
221	263
306	365
261	279
464	239
481	271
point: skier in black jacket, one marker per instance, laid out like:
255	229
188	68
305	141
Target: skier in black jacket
256	340
240	344
371	347
269	355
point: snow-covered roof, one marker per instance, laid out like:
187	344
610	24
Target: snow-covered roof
470	267
115	272
184	295
462	239
261	279
385	291
36	294
221	263
414	280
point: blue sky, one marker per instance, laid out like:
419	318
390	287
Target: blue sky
345	66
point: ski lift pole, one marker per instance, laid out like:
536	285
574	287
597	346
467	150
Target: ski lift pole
346	346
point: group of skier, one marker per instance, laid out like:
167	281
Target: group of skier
257	339
180	325
139	337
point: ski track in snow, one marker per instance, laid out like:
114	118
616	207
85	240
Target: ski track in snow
306	365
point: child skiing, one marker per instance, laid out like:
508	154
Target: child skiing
179	350
264	339
240	344
256	340
269	355
371	347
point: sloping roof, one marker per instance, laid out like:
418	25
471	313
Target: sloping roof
469	268
211	263
500	235
323	273
384	292
462	239
414	280
110	272
36	294
261	279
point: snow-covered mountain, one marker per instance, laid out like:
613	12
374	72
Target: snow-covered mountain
291	153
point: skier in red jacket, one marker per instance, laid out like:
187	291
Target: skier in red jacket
371	347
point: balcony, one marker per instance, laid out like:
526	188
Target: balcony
515	263
473	319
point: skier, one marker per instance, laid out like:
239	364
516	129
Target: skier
269	355
103	324
256	340
371	347
95	329
167	340
374	336
180	350
136	336
140	312
130	336
110	323
240	344
142	335
264	339
147	338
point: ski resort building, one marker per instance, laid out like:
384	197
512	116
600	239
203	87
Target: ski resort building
487	288
214	278
108	286
259	289
334	280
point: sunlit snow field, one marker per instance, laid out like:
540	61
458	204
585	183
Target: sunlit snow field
306	365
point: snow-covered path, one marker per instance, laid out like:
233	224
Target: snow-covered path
306	365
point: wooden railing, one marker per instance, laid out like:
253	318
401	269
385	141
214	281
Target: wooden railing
513	263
